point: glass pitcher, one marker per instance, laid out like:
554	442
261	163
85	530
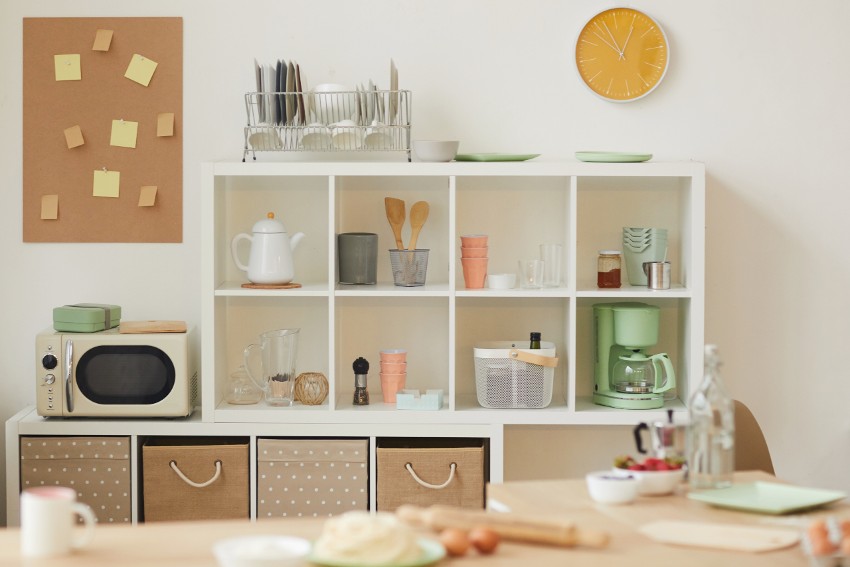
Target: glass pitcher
638	373
278	351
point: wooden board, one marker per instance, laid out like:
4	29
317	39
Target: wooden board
720	536
152	327
63	175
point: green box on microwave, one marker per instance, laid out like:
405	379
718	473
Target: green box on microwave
86	317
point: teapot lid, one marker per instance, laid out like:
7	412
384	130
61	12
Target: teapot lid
268	226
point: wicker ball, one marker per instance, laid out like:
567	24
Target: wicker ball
311	388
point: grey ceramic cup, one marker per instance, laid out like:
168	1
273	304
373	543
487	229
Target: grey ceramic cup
357	254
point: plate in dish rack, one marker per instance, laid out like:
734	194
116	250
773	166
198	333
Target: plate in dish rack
431	552
612	157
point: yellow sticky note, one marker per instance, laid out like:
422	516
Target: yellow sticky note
147	196
124	133
106	183
140	69
165	124
74	137
102	40
67	67
49	207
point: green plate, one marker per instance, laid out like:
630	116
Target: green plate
432	552
495	157
767	497
612	157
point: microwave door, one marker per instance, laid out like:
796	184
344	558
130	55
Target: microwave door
120	379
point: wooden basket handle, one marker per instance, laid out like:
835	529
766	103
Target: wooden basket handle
538	359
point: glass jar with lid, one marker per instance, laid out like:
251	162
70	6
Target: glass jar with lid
608	268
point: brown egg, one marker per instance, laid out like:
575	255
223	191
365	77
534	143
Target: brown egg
455	541
484	540
845	546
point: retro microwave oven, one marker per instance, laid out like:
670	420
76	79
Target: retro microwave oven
110	374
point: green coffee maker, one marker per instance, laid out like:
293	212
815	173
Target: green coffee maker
626	376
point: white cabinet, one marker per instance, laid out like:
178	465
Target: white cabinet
582	206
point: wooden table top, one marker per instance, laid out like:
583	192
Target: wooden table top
189	544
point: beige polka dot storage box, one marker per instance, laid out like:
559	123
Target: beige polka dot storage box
98	468
311	477
195	478
430	471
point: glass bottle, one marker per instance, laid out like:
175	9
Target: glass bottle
361	391
711	439
608	267
535	341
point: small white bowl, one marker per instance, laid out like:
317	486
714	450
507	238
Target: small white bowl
655	483
262	551
434	150
501	281
611	488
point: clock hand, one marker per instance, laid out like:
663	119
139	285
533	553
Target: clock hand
606	42
628	37
611	35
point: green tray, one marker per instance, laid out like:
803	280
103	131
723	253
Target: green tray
86	317
612	157
767	497
495	157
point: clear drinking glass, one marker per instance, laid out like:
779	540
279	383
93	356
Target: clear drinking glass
551	255
531	274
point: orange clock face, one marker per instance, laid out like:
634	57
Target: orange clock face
622	54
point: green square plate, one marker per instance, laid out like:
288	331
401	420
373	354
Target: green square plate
612	157
767	497
495	157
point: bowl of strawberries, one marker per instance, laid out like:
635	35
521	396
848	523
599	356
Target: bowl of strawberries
656	476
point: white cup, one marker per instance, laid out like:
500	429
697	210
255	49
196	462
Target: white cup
47	521
530	274
346	135
316	137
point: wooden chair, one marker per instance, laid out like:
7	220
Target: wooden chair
751	450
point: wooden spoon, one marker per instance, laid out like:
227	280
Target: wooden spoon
418	216
395	214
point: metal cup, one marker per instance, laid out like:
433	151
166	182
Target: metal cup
657	274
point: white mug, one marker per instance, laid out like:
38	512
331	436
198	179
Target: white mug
47	521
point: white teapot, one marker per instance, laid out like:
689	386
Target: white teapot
270	261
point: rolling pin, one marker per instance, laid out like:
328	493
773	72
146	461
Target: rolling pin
508	525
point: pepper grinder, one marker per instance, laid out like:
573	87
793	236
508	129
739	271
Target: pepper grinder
361	392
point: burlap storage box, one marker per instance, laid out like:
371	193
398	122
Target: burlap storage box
311	477
195	478
423	472
98	468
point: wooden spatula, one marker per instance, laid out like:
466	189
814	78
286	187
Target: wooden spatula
395	214
418	215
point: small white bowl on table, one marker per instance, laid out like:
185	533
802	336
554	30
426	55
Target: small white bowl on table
606	487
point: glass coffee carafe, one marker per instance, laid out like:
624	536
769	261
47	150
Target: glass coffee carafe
638	373
278	351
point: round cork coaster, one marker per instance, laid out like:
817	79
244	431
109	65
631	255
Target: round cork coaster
290	285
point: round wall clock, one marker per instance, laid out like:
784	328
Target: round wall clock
622	54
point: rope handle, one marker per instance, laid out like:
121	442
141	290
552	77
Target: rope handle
453	466
538	359
187	480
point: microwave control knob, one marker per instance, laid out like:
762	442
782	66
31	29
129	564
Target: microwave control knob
49	361
49	379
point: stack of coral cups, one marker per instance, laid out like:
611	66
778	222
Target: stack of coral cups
473	257
393	373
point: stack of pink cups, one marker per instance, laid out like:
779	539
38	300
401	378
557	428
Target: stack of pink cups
473	256
393	373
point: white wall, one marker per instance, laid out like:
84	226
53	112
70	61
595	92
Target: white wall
756	89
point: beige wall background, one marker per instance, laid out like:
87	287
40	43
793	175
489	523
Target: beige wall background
756	89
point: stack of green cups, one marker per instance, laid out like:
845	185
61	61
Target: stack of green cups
642	245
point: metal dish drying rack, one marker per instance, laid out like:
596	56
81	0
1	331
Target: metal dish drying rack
340	121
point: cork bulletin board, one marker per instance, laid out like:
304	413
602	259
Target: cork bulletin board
102	129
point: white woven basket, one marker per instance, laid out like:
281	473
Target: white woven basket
508	376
